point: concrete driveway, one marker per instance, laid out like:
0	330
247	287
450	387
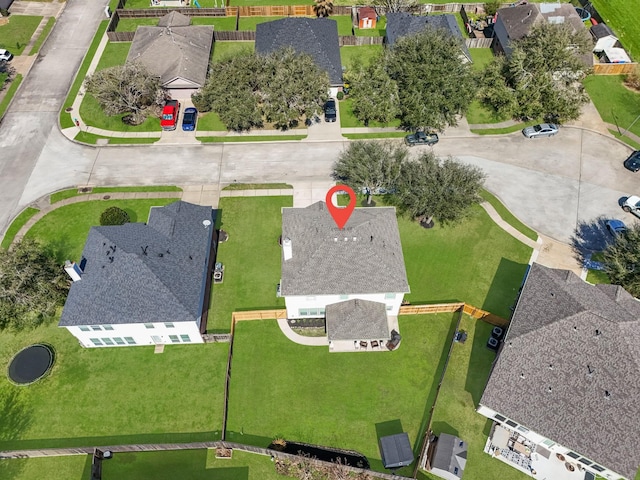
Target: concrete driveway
550	184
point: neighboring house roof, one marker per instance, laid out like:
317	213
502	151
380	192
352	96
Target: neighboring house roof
402	24
144	273
178	54
357	320
450	457
317	37
570	365
518	21
5	4
396	450
364	257
600	30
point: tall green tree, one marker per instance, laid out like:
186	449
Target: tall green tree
542	78
32	286
435	84
621	260
129	89
370	165
291	86
443	190
374	94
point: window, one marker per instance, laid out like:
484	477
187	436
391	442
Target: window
344	297
168	325
573	455
500	418
303	312
174	339
148	325
313	311
584	461
118	340
549	443
85	329
321	311
389	308
389	295
522	429
107	327
185	338
130	340
511	423
96	328
455	470
107	341
597	468
96	342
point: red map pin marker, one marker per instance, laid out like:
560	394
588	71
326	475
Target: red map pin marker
341	214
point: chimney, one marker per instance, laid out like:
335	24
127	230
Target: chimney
73	270
287	249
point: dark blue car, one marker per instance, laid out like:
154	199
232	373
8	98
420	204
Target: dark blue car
633	162
189	119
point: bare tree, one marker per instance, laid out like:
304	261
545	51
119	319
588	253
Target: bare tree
391	6
128	88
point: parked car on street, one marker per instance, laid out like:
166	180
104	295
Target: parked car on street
616	227
330	111
5	55
421	138
540	130
632	205
633	162
189	119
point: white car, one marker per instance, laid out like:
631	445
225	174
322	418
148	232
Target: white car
540	130
5	55
632	205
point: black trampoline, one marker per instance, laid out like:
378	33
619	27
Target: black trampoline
30	364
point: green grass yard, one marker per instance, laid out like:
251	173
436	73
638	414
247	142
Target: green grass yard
251	257
364	54
65	229
73	192
616	104
131	24
43	36
12	88
343	400
92	139
17	32
507	216
219	23
51	468
112	395
16	225
623	17
210	122
223	50
348	118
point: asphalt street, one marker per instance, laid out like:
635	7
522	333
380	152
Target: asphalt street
551	184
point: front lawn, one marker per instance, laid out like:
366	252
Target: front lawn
343	400
616	104
349	119
65	229
16	225
251	257
455	413
110	396
210	122
17	32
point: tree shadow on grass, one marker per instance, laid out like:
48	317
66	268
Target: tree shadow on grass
16	418
444	427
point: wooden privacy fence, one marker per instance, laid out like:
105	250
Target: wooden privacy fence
478	42
352	40
237	36
614	68
120	36
470	310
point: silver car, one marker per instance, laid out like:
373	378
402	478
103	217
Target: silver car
540	130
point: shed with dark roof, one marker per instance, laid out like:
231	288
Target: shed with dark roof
396	451
569	369
317	37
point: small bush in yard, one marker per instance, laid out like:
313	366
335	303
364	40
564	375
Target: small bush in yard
340	95
114	216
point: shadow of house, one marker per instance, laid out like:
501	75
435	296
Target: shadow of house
402	24
143	284
317	37
175	51
572	349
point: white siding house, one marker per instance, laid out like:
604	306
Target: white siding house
323	266
143	284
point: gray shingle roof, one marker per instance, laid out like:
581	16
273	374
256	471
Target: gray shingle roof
600	30
121	284
357	320
448	456
324	263
401	24
174	52
317	37
519	20
580	341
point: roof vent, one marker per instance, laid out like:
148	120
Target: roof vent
590	370
287	248
549	389
354	239
345	239
607	394
335	239
206	223
522	375
598	333
371	238
551	366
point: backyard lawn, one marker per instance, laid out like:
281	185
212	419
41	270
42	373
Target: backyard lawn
107	396
15	35
616	104
464	381
223	50
251	257
363	54
343	400
623	16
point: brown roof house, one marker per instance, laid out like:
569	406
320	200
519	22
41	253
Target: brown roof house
176	51
564	389
515	23
367	17
354	278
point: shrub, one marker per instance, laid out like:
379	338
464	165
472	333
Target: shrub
632	80
340	95
114	216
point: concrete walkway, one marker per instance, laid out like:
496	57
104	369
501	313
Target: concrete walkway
301	339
